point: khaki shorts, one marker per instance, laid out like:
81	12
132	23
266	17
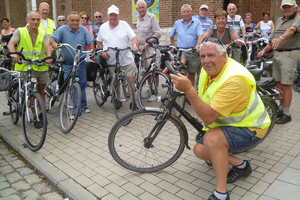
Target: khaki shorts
193	61
285	65
129	70
41	77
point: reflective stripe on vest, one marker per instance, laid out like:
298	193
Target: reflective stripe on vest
50	28
255	115
31	51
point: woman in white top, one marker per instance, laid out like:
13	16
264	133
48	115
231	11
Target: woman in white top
266	26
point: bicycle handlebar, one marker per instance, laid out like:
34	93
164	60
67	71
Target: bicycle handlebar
78	47
37	61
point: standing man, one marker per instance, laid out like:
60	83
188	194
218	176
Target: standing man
205	21
147	26
237	22
286	43
96	26
74	34
117	33
233	114
36	45
189	31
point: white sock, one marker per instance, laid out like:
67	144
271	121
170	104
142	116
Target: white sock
241	166
220	195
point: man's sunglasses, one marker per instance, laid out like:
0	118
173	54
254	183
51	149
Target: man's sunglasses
61	20
98	16
83	17
213	40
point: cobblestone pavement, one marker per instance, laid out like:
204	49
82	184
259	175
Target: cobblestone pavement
18	181
80	164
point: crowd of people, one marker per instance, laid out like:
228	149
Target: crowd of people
233	114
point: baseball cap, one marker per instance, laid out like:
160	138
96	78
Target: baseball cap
288	2
203	6
113	9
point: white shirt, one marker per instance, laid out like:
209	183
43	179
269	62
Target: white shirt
120	37
45	24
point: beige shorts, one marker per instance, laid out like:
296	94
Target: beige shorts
284	66
129	70
41	77
193	61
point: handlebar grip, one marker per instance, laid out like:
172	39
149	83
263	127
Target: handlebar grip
18	53
170	68
49	57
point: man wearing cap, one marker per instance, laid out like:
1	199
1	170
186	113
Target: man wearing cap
286	43
117	33
147	26
189	31
237	23
205	21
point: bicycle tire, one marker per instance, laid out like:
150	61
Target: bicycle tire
99	89
35	129
296	85
123	97
272	108
48	95
127	143
70	105
14	108
162	87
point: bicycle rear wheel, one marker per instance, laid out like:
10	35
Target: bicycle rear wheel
127	144
272	108
123	97
99	88
14	106
34	121
70	107
296	84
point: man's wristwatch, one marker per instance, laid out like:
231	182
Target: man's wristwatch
281	38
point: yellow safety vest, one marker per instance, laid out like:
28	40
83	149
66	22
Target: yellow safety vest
30	50
50	28
255	115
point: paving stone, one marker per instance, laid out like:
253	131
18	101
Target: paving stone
2	178
6	170
52	196
4	185
31	195
7	192
13	177
11	197
3	162
10	157
17	164
41	188
33	178
21	186
24	171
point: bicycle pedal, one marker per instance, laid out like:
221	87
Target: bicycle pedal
6	113
164	85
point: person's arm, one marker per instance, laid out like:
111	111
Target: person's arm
199	41
202	109
103	54
53	43
135	43
244	33
155	28
272	27
11	48
91	32
288	33
48	50
254	29
258	25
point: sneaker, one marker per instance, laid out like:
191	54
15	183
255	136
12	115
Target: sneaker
236	173
146	95
284	119
213	197
152	98
38	124
279	113
85	110
72	117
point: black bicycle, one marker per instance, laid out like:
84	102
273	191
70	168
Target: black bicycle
296	82
25	101
155	138
117	85
69	89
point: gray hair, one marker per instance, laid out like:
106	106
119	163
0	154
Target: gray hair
73	13
60	17
231	4
143	1
220	48
33	11
186	6
248	14
97	12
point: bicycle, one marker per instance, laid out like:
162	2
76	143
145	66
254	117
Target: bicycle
4	62
69	89
154	138
26	102
296	82
121	92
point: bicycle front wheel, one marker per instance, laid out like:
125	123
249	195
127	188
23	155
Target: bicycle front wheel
70	107
14	108
128	144
123	97
34	121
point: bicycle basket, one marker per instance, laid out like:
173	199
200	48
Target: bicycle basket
5	81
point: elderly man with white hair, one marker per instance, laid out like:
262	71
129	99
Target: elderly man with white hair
286	43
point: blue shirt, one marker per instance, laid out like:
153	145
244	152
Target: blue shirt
65	35
206	23
187	35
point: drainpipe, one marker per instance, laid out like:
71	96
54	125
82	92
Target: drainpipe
54	12
33	5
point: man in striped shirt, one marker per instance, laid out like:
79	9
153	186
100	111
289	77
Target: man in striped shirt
237	23
205	21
